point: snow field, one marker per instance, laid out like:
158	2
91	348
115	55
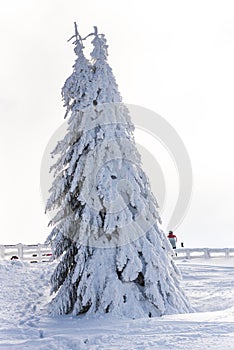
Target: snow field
25	324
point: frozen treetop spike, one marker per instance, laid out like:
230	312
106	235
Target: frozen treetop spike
76	35
95	33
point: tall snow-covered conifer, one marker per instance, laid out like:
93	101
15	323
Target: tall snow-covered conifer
113	256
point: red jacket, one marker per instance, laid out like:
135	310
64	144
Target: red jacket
173	239
171	235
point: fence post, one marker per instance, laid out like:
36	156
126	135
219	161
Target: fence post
39	252
2	251
188	254
20	251
206	253
226	252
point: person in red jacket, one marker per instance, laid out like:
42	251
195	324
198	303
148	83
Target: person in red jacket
173	239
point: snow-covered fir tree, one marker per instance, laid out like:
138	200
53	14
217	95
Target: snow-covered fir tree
113	256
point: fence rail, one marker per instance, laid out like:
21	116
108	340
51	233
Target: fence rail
207	253
43	253
33	252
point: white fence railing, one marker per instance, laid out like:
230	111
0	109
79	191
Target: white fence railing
207	253
32	253
43	253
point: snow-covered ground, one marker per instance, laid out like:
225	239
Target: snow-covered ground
24	323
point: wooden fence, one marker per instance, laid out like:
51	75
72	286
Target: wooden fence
207	253
43	253
33	252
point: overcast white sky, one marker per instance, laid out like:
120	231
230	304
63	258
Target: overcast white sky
174	57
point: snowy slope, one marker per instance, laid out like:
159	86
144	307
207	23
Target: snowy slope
24	323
